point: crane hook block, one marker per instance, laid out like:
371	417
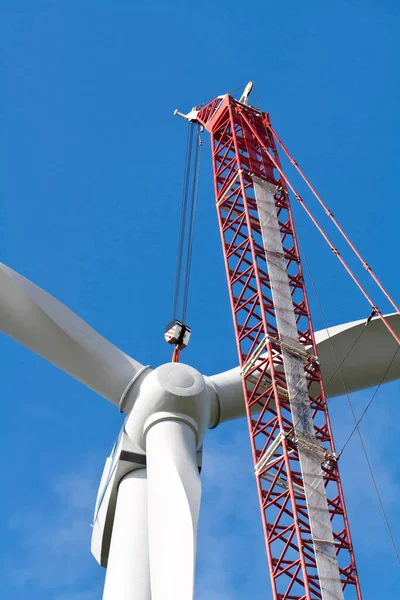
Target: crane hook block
177	333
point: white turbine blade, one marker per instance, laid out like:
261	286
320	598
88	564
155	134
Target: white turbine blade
127	575
173	509
32	317
229	390
367	363
364	367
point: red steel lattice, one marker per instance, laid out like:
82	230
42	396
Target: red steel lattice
241	141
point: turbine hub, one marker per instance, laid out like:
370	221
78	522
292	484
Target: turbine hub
173	391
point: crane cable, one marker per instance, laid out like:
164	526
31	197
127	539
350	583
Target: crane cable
192	219
286	183
190	187
183	217
356	422
339	365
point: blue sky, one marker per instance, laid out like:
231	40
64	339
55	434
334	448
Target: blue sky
91	166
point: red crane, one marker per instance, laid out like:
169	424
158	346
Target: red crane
309	547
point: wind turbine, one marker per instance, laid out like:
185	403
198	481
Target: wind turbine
148	503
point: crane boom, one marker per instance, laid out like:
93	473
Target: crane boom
309	548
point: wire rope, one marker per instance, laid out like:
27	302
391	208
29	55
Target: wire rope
183	216
354	344
338	369
190	188
192	220
357	423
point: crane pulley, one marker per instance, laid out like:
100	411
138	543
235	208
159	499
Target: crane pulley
177	332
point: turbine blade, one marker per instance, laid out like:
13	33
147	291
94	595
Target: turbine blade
363	367
32	317
127	574
174	491
369	349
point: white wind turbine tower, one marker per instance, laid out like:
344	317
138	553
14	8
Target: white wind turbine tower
148	503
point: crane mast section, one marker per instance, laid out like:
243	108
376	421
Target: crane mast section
306	529
310	450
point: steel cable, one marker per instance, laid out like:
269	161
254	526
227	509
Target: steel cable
181	235
340	365
357	423
192	220
187	221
